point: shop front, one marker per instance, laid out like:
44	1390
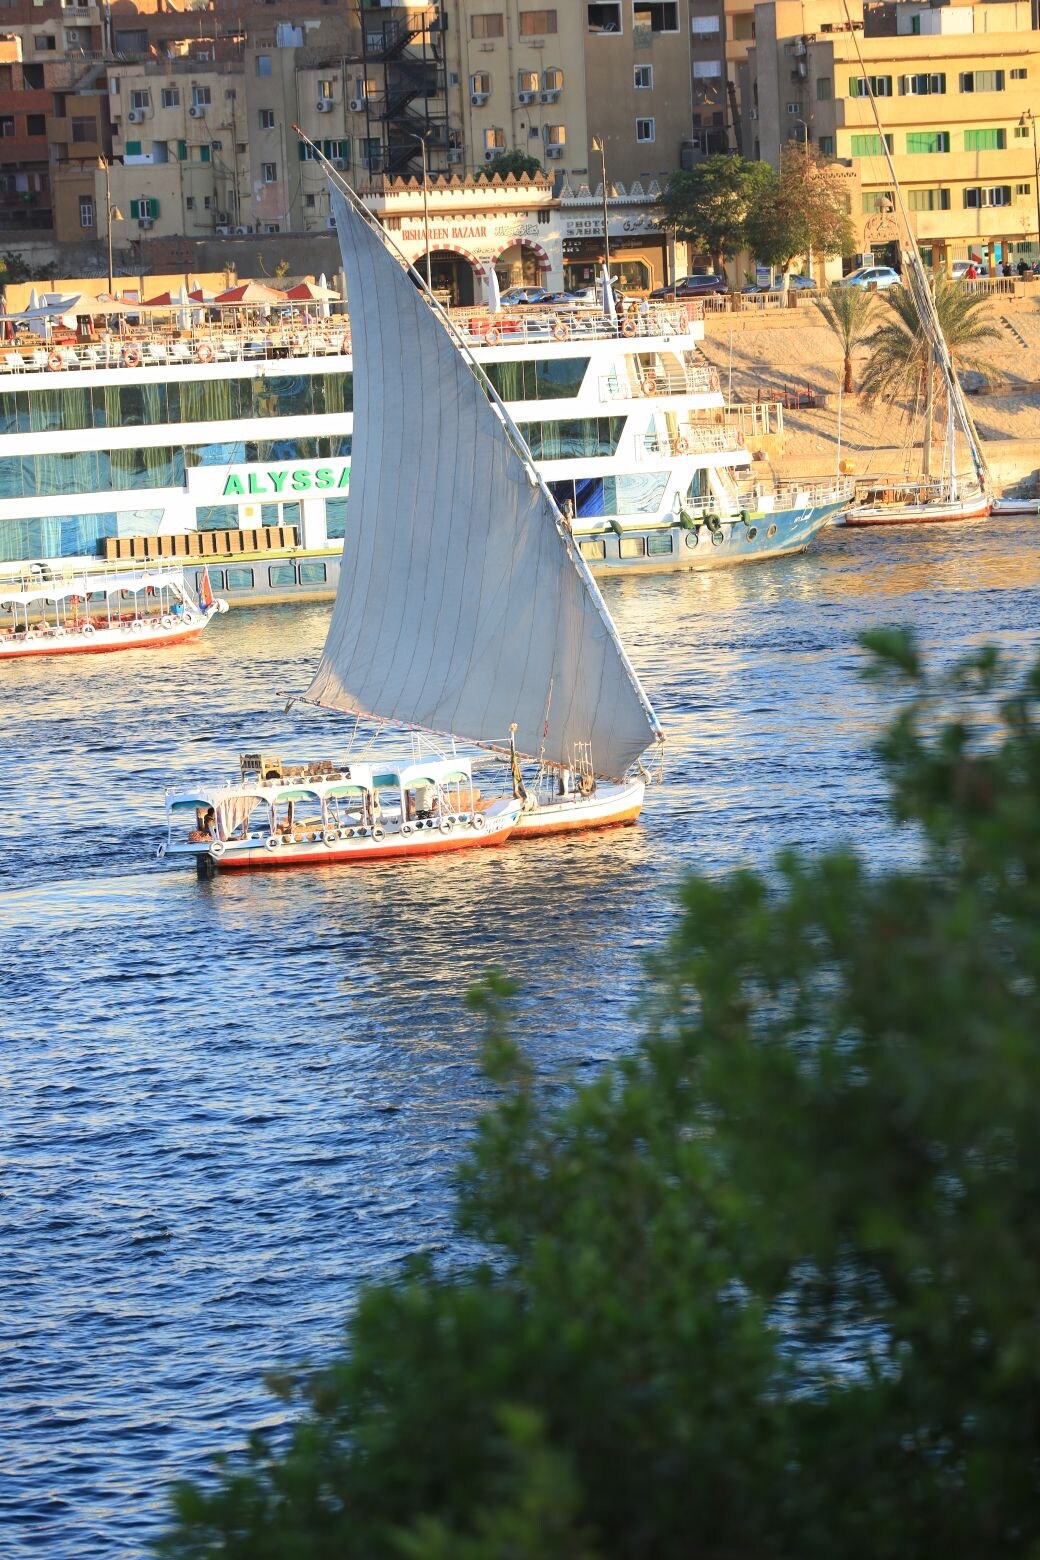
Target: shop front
640	251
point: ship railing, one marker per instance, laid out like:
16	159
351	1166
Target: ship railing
541	323
156	349
789	491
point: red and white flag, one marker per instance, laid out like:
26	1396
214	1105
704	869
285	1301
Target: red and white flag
205	590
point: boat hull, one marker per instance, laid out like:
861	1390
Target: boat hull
976	508
260	855
104	641
767	534
610	807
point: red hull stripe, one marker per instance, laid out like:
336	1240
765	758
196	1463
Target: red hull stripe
86	648
274	860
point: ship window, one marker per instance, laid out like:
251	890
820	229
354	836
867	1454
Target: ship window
312	572
544	379
282	574
270	514
632	547
659	545
217	517
576	438
594	549
240	579
335	519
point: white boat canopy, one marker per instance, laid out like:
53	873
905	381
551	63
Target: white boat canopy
463	607
23	592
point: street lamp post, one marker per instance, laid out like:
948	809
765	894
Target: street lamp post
112	214
805	142
599	145
1029	118
425	206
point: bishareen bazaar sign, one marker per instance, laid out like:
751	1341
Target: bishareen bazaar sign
288	479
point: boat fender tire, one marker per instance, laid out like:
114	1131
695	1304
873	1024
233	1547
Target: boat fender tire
561	332
717	538
445	825
272	842
649	386
479	821
204	352
628	327
131	357
378	833
406	828
55	362
166	620
161	853
217	849
138	625
684	319
493	337
682	446
88	628
330	836
713	379
344	345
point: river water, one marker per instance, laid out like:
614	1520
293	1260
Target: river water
227	1104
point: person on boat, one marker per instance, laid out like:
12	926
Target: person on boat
568	516
425	795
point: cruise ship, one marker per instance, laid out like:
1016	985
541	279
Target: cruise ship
228	446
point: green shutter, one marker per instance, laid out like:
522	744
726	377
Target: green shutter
204	154
182	151
153	207
984	140
133	148
135	209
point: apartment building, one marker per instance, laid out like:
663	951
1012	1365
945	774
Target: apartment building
958	92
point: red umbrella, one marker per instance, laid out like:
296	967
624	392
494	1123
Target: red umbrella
310	292
248	293
160	301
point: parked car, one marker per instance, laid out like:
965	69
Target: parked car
879	276
517	297
696	285
795	282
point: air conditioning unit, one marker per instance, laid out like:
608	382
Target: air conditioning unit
356	105
135	116
490	154
339	163
196	111
552	96
324	105
478	99
454	154
240	232
554	151
145	222
222	229
72	35
527	97
223	216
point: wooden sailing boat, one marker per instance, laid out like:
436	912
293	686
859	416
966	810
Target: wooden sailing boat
949	496
464	611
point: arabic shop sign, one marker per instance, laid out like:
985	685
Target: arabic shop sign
287	479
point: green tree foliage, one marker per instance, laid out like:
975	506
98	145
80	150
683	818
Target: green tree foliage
846	310
801	210
708	204
898	363
506	163
13	268
767	1287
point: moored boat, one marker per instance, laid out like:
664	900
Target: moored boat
49	613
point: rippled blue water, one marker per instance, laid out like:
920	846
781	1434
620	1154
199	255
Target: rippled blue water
226	1104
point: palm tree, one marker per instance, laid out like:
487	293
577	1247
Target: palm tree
845	309
899	357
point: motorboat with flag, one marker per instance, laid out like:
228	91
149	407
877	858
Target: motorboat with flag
492	634
48	612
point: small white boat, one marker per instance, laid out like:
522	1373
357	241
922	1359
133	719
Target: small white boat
298	815
48	613
1015	506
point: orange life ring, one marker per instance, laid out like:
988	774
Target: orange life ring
55	362
628	327
649	386
131	357
713	378
684	319
204	352
493	337
561	332
344	345
682	446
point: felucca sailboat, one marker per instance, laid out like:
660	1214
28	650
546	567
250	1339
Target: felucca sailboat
464	612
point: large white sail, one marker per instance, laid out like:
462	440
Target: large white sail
461	607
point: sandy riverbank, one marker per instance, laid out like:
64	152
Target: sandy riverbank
756	353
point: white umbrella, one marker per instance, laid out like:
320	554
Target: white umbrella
183	312
494	293
607	295
34	302
323	306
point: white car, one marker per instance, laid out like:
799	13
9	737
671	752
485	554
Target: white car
879	276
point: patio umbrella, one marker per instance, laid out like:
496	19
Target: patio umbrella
183	311
250	294
163	300
326	295
607	295
494	293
